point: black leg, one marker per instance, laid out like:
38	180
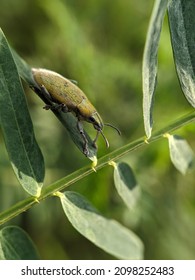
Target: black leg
46	93
80	128
61	107
52	104
95	140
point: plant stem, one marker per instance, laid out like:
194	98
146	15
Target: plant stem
65	182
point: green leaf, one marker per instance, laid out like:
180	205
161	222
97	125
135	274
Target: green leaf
15	244
67	119
149	68
126	185
182	156
182	21
24	153
24	70
104	233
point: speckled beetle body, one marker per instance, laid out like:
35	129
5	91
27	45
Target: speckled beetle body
67	96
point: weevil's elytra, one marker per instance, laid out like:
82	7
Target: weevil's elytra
65	95
66	84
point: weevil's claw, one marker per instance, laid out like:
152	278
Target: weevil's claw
47	107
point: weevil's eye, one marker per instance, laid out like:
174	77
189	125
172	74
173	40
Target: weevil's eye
96	121
92	120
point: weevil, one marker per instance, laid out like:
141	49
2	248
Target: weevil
63	94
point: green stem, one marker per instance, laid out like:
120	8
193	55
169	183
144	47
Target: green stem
83	172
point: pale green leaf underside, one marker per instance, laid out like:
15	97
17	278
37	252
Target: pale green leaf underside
182	27
15	244
149	67
104	233
182	156
126	185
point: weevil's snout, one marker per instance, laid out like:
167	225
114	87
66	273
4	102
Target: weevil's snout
99	130
99	125
97	122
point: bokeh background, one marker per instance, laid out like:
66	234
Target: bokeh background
100	44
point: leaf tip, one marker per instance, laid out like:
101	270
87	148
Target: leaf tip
146	140
94	162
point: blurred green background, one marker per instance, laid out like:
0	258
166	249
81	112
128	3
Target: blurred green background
100	44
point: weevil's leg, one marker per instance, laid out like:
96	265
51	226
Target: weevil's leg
33	88
47	107
54	106
42	92
74	82
95	140
64	108
46	94
80	128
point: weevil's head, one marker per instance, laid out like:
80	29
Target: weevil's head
98	124
88	113
96	120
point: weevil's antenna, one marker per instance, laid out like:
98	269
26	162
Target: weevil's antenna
98	132
108	124
105	139
107	143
